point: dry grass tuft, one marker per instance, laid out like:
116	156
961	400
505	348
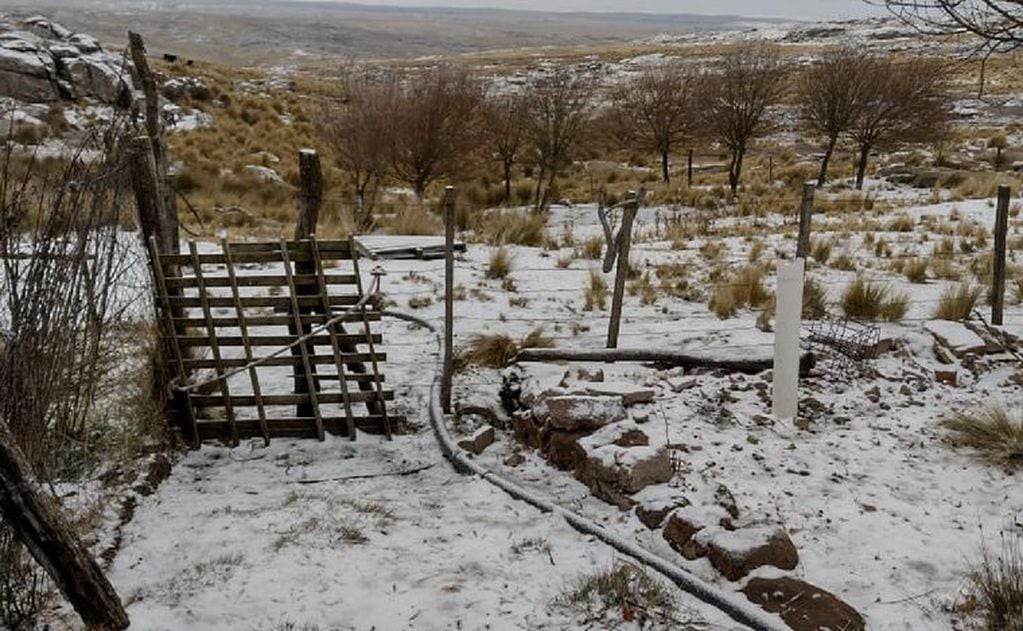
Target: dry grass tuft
957	302
915	270
624	592
514	227
413	220
865	300
500	264
995	591
744	288
994	432
495	351
596	293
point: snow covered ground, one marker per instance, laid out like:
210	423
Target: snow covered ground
884	512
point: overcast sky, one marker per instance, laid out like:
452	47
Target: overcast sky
797	9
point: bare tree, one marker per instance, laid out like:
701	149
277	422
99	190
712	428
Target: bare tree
658	106
432	126
830	95
906	103
747	82
505	118
558	109
999	23
357	131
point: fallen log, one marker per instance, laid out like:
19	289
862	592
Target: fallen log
661	359
37	522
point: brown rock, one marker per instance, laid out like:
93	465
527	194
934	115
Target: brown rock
526	430
737	553
562	449
613	473
480	440
802	606
652	513
685	522
514	460
947	377
632	438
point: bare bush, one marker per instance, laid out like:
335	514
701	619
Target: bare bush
505	119
737	96
658	108
558	108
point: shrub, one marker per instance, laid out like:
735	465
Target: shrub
596	293
957	302
500	264
915	270
995	433
872	301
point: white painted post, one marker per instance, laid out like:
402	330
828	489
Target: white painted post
788	320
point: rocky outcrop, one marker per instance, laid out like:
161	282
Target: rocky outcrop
43	62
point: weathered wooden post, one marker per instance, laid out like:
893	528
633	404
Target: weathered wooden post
310	198
149	195
155	131
805	217
618	252
689	170
998	265
36	520
449	297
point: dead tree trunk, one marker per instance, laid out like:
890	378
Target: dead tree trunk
37	522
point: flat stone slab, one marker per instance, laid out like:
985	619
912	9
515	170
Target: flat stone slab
956	337
803	606
575	412
630	394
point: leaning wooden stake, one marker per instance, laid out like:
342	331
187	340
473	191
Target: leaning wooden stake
998	265
37	522
618	247
449	297
805	217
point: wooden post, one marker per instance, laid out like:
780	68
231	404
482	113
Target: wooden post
449	297
689	170
36	520
998	265
155	132
770	169
623	244
310	197
805	217
310	176
148	196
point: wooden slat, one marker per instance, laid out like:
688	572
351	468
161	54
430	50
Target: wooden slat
282	360
334	343
275	341
271	320
246	343
298	252
281	302
225	389
293	427
303	351
247	401
261	280
168	325
365	323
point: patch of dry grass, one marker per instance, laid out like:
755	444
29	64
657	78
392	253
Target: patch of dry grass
957	302
596	293
500	264
866	300
995	433
496	350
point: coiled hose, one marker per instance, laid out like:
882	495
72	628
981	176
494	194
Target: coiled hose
737	609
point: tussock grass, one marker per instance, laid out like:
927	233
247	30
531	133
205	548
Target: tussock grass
592	248
901	223
957	302
624	590
865	300
495	351
513	227
500	264
820	250
995	588
915	270
815	300
596	294
413	220
994	432
744	288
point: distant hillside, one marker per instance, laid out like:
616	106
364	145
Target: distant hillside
288	32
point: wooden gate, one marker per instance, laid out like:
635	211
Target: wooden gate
258	345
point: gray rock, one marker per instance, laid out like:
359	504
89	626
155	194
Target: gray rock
573	413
